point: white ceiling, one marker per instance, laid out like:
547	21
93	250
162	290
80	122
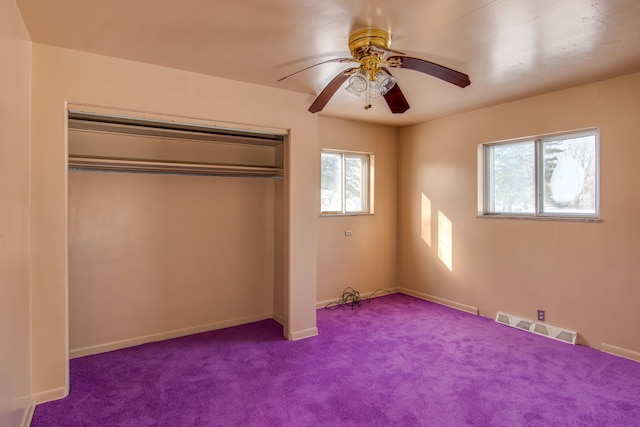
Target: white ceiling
510	48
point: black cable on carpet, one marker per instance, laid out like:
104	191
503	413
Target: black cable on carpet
350	297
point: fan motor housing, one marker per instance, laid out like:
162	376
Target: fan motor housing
360	39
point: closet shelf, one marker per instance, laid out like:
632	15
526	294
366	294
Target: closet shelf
152	166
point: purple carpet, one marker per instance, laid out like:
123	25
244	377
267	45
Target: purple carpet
396	361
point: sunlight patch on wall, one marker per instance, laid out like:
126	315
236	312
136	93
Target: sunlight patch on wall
445	240
426	220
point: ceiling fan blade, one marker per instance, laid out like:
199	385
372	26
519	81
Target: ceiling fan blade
447	74
319	63
329	90
395	100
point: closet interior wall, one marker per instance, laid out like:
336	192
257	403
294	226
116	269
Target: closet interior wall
158	254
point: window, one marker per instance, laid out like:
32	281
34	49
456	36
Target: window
553	176
346	183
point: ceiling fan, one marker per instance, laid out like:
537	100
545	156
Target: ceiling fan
370	49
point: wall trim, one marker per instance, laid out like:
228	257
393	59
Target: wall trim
49	395
441	301
305	333
278	318
620	352
28	413
103	110
130	342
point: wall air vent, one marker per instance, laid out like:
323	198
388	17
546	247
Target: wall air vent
543	329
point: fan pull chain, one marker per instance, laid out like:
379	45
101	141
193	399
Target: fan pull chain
367	95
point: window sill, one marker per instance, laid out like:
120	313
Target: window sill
541	217
328	215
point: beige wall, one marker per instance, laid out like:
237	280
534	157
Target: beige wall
61	75
366	260
15	347
585	275
155	256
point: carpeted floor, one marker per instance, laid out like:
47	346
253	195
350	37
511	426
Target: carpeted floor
396	361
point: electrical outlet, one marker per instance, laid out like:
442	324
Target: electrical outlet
348	232
541	315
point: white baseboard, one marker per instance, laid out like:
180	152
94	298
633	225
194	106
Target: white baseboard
441	301
49	395
621	352
28	413
278	318
17	411
305	333
130	342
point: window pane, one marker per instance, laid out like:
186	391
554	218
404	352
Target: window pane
355	183
511	178
569	170
331	182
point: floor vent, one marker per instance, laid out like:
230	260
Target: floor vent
537	328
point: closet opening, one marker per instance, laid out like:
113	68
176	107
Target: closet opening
175	227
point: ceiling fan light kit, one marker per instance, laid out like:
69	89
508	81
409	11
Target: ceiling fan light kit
384	83
370	48
381	83
357	83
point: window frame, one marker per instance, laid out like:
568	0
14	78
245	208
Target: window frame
368	193
485	194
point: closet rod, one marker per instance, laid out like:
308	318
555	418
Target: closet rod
122	165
